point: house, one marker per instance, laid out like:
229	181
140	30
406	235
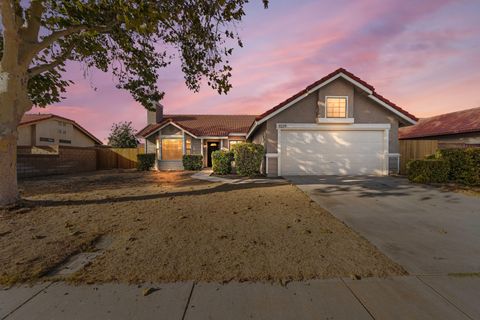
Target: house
338	125
172	136
460	127
49	129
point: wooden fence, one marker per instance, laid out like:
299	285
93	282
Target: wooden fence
415	149
121	158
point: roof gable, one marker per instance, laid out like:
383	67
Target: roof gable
204	125
464	121
31	118
339	73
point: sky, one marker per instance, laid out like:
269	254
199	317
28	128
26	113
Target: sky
423	55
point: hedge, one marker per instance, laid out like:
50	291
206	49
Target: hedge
464	164
428	171
248	158
222	162
192	162
145	161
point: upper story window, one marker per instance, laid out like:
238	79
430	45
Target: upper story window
336	107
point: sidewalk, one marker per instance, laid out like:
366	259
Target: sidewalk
412	297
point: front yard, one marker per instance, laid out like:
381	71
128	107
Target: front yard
166	227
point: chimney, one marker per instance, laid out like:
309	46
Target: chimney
155	116
159	113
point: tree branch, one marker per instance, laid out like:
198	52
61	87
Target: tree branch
32	72
9	18
56	35
34	19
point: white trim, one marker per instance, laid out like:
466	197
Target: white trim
385	127
201	142
346	108
171	136
221	144
271	155
398	113
237	134
335	120
344	76
211	138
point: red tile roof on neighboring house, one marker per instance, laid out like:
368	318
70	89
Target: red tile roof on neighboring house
204	125
326	78
30	118
464	121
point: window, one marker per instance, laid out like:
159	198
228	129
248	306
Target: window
47	139
65	141
336	107
172	149
234	142
188	145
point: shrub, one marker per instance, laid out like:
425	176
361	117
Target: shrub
222	161
428	171
464	164
248	158
146	161
192	162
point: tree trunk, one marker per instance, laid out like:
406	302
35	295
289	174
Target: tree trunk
14	103
8	169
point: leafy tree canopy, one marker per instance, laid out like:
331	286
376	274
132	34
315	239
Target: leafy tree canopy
122	135
132	39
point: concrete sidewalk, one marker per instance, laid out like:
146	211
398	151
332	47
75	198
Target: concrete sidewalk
412	297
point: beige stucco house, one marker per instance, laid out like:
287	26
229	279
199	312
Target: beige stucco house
50	129
338	125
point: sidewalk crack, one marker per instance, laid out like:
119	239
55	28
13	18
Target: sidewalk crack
188	302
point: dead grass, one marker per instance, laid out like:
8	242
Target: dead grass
167	227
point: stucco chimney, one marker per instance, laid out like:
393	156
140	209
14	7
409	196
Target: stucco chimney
159	113
155	116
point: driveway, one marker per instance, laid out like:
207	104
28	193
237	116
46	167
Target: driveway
426	230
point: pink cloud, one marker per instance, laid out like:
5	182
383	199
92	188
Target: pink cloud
419	54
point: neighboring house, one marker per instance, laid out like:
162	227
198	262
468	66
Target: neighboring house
338	125
460	127
49	129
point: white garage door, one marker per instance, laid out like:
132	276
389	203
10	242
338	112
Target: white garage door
310	152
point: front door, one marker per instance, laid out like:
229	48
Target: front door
211	146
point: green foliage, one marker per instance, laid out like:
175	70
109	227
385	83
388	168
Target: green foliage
222	162
428	171
131	39
145	161
248	158
192	162
464	164
122	135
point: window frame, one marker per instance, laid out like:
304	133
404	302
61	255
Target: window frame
346	107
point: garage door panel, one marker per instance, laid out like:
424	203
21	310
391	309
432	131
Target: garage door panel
332	152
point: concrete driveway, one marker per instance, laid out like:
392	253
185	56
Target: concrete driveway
426	230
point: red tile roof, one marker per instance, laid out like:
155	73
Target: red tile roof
327	77
205	125
464	121
30	118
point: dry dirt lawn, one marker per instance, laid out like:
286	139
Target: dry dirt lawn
167	227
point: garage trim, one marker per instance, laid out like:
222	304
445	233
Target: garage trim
351	127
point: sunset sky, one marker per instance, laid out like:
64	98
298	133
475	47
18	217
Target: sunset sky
424	55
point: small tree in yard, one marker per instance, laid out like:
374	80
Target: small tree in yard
131	39
122	135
